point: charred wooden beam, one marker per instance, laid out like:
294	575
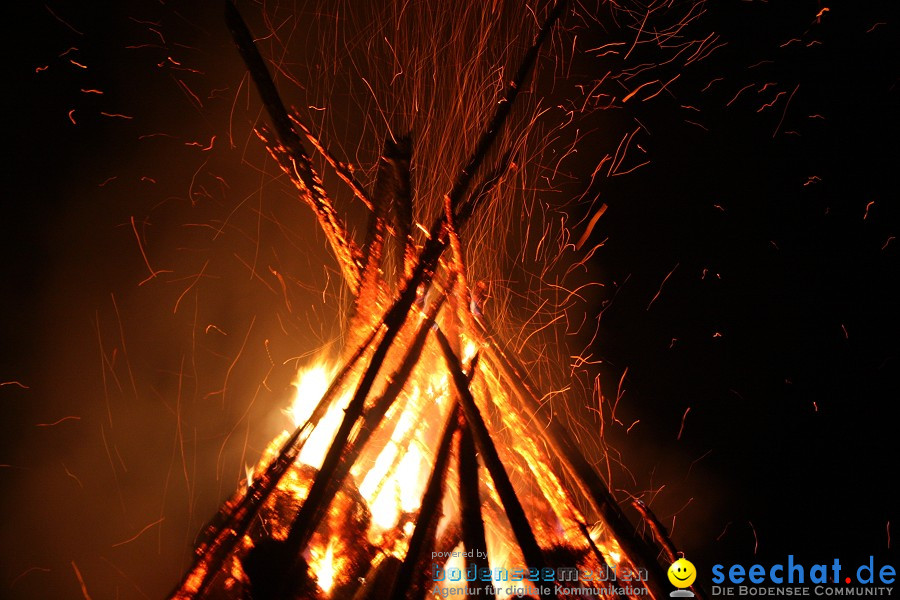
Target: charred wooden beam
450	538
487	186
656	529
473	534
595	550
531	550
399	154
405	585
575	463
381	577
343	170
458	267
661	536
391	194
293	159
371	281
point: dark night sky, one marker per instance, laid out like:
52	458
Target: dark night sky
797	263
790	441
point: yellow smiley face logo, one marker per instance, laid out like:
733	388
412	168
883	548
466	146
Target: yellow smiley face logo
682	573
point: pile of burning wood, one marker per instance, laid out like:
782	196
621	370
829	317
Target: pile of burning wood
424	450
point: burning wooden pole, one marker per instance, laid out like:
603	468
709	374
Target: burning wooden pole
290	154
662	539
528	543
411	569
474	539
399	154
579	468
582	527
343	170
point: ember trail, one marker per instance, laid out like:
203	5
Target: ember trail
421	438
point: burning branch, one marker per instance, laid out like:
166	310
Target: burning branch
290	154
578	467
534	557
343	170
406	585
473	535
388	189
399	154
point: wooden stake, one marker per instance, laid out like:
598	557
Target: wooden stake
531	551
371	283
578	467
294	160
428	513
596	551
473	535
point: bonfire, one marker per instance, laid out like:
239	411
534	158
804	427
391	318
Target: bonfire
420	464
